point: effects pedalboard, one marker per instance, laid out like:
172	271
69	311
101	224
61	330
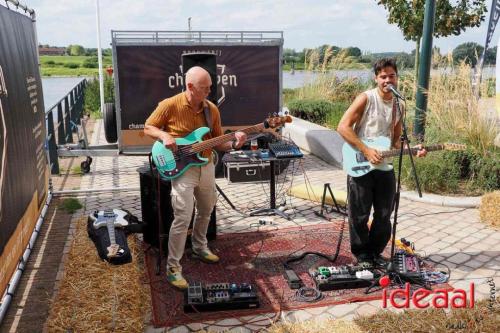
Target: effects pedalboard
407	265
220	296
342	277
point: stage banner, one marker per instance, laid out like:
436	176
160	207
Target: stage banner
248	83
23	166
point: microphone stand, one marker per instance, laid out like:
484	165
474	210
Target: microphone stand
405	142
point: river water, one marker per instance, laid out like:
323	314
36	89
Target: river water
55	88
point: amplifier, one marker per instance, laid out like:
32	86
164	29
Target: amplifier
149	205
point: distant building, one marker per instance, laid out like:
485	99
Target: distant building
51	50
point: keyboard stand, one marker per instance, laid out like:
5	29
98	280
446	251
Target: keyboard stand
272	209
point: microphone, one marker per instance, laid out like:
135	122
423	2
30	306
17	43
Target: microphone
395	92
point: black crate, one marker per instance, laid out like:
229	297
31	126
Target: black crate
244	170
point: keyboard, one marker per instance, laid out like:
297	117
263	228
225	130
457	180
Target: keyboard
284	150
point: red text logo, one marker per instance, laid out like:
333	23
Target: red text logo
441	298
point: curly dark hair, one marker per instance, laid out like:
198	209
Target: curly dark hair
383	63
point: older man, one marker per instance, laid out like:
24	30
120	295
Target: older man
176	117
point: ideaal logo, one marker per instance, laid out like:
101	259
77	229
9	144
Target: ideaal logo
441	298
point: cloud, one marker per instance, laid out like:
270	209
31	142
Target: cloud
360	23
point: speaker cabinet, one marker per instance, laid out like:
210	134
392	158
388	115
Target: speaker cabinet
149	206
208	62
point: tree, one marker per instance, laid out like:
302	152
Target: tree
353	51
490	56
452	17
75	50
468	52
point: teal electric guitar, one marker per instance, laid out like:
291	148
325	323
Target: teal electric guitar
356	164
171	164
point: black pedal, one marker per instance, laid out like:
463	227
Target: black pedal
294	282
342	277
220	297
407	265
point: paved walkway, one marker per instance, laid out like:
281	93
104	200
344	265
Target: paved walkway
452	236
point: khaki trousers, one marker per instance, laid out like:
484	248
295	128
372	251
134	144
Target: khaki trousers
196	183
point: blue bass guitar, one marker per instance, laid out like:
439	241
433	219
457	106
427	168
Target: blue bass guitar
171	164
356	164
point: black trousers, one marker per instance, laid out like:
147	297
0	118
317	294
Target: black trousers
376	188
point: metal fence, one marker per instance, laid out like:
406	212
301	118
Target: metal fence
69	113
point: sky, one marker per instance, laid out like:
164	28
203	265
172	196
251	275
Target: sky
305	24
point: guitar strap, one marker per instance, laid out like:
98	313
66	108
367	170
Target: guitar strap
208	115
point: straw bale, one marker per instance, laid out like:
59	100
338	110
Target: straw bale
489	211
95	296
315	326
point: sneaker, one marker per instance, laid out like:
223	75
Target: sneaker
175	278
380	261
364	261
206	256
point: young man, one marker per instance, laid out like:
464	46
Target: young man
176	117
372	114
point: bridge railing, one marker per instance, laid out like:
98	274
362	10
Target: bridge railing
69	111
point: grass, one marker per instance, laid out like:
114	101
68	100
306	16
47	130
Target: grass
70	205
59	65
454	113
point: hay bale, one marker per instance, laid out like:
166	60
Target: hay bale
489	211
95	296
315	193
315	326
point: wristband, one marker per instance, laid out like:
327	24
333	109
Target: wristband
233	144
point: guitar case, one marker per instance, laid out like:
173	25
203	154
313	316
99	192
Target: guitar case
100	237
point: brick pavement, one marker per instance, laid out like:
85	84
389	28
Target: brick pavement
453	236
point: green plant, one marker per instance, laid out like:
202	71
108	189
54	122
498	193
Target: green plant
437	173
311	110
70	205
92	102
71	65
485	171
91	62
335	114
454	172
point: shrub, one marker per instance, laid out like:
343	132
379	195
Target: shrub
454	172
71	65
485	171
311	110
91	62
438	172
333	117
92	102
